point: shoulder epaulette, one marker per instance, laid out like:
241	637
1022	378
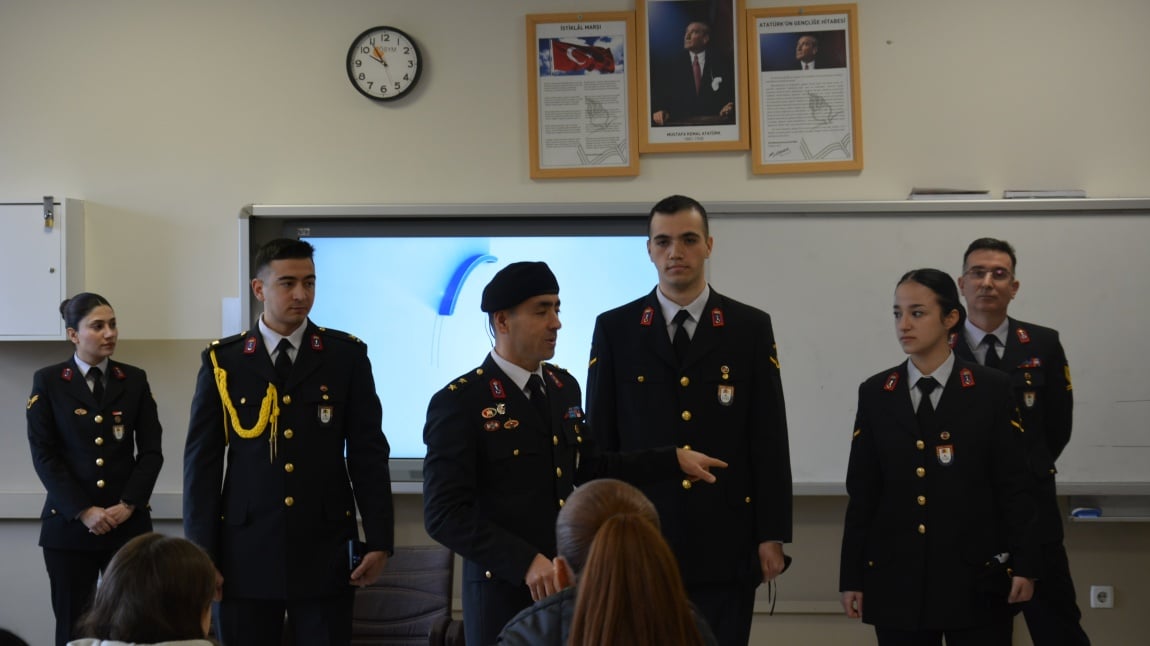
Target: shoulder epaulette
339	334
229	339
464	380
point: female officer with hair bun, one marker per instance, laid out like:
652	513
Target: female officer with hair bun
95	439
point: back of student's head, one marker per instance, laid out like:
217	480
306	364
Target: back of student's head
588	507
156	588
630	590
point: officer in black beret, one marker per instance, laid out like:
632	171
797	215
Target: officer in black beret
506	444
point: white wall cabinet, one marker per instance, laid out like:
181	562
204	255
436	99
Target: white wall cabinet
41	264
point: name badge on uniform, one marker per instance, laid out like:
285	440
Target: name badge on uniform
945	453
325	412
118	432
726	394
1029	397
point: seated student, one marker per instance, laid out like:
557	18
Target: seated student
935	542
157	590
609	542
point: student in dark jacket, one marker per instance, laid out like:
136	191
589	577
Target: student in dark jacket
95	439
549	621
936	540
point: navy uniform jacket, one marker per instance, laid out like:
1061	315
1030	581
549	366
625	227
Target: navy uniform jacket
929	511
277	521
494	479
675	87
726	402
1040	379
93	455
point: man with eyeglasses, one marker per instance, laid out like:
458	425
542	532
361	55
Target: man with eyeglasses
1032	355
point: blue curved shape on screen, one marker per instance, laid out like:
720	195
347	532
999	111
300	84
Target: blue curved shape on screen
455	285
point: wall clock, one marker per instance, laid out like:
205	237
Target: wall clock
384	63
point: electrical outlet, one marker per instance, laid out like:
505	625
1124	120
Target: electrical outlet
1101	596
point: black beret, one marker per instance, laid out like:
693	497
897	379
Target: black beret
516	283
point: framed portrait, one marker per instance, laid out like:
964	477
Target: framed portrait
581	80
804	89
692	85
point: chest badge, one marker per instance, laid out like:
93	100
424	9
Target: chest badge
325	412
1029	398
488	413
491	425
118	432
945	453
726	394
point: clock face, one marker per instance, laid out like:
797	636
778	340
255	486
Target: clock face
383	63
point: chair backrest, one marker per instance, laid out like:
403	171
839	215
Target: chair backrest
411	597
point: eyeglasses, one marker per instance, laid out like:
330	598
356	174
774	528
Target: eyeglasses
998	274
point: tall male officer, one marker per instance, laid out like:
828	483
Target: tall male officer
1033	357
716	388
282	406
506	446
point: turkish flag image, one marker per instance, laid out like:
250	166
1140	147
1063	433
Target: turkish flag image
569	57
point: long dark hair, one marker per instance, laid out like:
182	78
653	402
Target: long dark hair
944	289
630	591
156	589
73	310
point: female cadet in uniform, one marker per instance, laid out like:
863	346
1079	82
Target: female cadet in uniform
935	539
95	439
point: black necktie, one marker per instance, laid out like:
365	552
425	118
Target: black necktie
992	359
682	339
97	384
925	412
283	360
539	400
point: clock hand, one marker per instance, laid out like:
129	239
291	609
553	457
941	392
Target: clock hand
378	55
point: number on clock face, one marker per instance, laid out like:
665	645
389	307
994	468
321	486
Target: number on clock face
383	63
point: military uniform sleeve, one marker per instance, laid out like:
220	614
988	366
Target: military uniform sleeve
367	455
204	452
451	512
769	443
601	404
1013	483
48	452
149	452
1059	417
864	489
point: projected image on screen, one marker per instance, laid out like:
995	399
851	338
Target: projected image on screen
415	302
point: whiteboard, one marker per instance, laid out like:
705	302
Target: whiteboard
826	273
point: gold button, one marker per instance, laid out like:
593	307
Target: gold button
922	500
555	440
579	439
558	472
515	452
243	400
686	415
686	484
288	434
641	378
53	512
920	472
686	447
289	467
487	574
684	382
98	419
920	445
921	529
289	501
99	441
747	500
326	397
562	502
347	513
99	462
100	484
286	399
479	371
870	563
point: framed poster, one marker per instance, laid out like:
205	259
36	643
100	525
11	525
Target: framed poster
692	85
581	94
805	112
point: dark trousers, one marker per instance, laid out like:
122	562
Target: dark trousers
488	604
727	609
72	575
325	621
1052	616
999	633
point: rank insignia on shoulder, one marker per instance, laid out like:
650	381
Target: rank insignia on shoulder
316	342
717	317
1023	337
858	432
891	382
118	373
554	379
491	425
945	453
648	317
593	361
462	380
452	387
1032	362
497	389
250	345
1069	384
66	374
966	377
32	400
